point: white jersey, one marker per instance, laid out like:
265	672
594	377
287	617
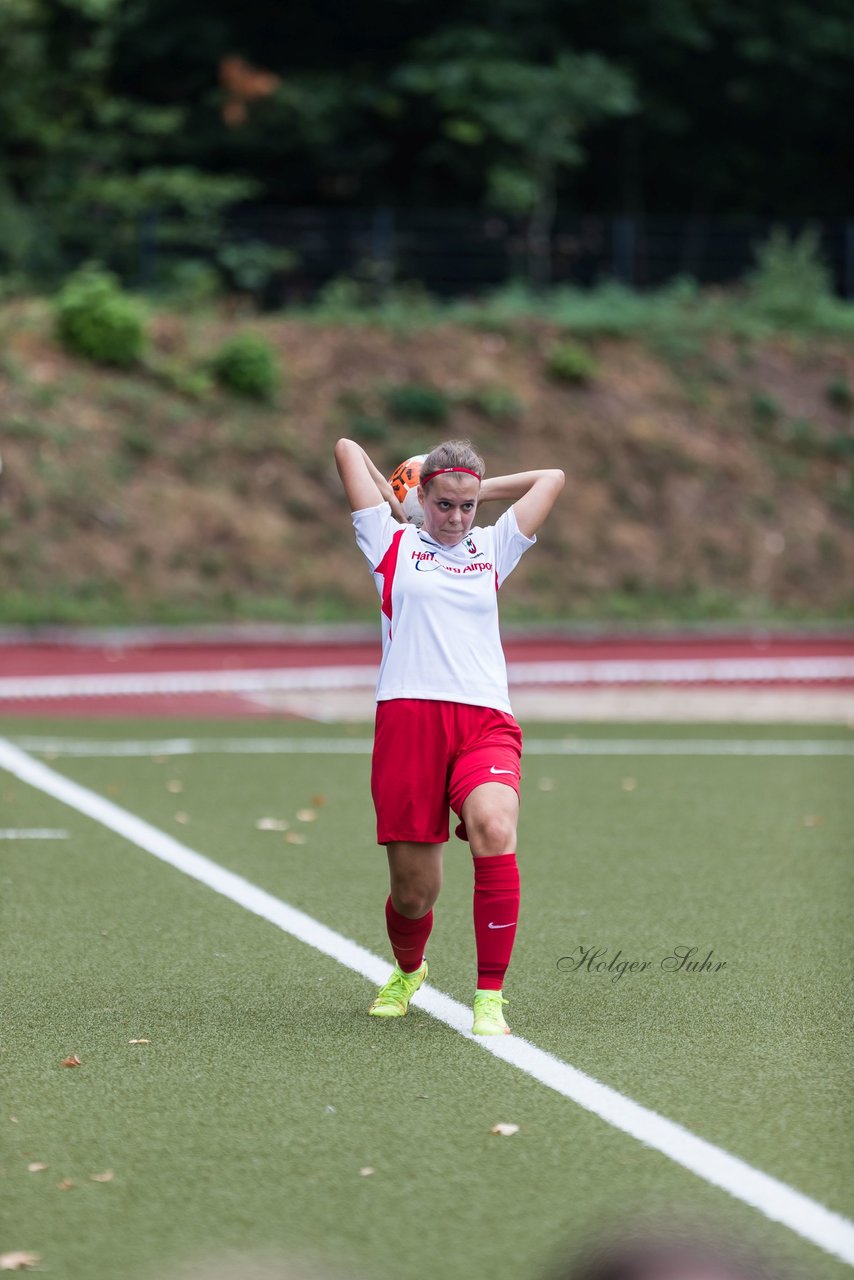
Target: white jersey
440	607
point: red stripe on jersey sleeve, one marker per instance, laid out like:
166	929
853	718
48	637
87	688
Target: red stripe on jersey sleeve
386	567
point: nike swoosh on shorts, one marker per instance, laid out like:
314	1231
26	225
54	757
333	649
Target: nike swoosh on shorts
494	770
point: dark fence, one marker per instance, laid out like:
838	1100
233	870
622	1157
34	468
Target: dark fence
453	253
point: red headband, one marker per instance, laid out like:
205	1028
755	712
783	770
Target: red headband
442	470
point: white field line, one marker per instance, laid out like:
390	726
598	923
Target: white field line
363	676
55	747
32	833
777	1201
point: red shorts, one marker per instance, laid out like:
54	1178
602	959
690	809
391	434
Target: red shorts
431	755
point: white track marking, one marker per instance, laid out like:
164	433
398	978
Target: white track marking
777	1201
681	670
363	676
32	833
362	746
804	704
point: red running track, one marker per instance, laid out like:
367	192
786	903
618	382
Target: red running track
24	666
51	659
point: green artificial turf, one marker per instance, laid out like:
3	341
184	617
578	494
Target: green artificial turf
240	1130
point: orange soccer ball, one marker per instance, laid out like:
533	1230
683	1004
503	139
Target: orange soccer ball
404	481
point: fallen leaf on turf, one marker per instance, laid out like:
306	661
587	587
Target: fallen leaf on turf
293	837
182	817
19	1261
72	1061
271	824
318	801
106	1176
629	784
813	820
306	815
175	786
366	1171
36	1167
65	1185
505	1130
546	784
139	1042
13	1119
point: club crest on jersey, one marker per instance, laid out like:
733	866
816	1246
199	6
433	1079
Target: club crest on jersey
470	547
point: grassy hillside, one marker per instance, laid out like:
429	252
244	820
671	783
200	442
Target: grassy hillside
710	473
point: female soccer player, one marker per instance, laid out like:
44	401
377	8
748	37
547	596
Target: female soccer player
443	685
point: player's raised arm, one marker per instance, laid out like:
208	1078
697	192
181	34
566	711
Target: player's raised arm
533	494
364	484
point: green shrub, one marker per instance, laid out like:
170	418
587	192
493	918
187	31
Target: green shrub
366	427
417	402
191	284
137	440
195	384
95	318
765	408
251	266
791	281
801	436
193	381
247	365
498	404
839	393
568	362
351	401
839	447
341	294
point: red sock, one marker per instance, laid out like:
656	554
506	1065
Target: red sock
408	938
496	911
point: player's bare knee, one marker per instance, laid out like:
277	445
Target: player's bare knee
412	902
492	834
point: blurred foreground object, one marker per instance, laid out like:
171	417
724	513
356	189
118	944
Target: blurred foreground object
682	1253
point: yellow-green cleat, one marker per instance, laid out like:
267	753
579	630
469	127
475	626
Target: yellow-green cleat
393	999
488	1015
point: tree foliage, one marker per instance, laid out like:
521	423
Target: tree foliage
83	160
117	115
